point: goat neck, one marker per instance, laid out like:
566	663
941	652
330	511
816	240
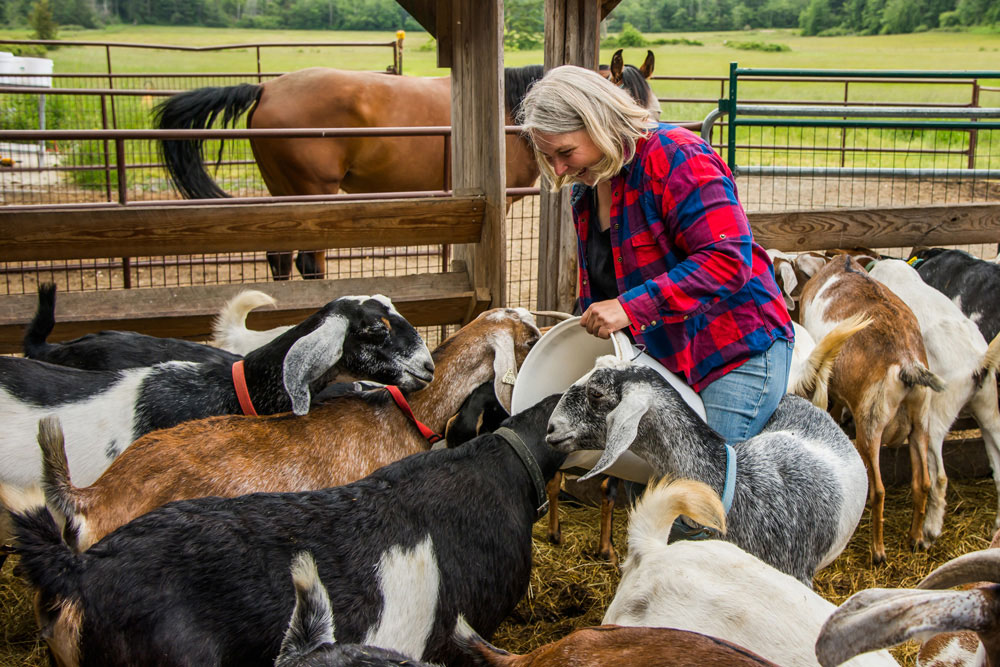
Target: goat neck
676	442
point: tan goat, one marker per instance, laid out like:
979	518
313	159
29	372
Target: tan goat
336	443
880	375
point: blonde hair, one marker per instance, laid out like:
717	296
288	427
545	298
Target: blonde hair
570	98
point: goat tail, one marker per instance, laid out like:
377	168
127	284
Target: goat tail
231	322
480	651
819	366
34	342
62	497
663	502
311	624
48	563
916	373
197	110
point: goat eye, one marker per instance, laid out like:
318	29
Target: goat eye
595	394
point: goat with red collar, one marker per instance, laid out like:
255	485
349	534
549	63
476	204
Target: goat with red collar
102	412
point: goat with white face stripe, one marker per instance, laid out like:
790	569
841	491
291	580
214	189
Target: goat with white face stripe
102	412
800	485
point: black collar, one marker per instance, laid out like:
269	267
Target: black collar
522	451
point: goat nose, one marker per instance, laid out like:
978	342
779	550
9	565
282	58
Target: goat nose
429	366
551	429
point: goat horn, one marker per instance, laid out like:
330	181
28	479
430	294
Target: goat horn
556	314
977	566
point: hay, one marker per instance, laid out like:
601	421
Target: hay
570	587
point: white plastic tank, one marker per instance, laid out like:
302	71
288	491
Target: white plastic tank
564	355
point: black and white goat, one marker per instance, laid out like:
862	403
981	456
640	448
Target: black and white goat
309	640
102	412
198	582
972	283
799	488
108	350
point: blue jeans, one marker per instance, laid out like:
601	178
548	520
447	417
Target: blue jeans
738	404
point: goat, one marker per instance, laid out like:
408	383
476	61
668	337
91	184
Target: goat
799	488
108	350
714	587
958	354
229	328
194	582
480	413
812	363
615	646
972	283
104	411
309	640
880	617
881	375
336	443
791	272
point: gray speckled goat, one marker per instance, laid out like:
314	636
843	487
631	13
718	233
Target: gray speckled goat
800	486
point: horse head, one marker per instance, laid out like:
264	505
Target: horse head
634	80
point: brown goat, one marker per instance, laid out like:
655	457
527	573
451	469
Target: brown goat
880	375
616	645
336	443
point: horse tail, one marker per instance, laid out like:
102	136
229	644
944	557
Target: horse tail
197	110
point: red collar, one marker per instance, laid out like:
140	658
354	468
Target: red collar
242	393
425	430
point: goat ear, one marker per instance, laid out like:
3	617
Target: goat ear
504	367
809	264
623	425
789	281
310	357
965	569
878	618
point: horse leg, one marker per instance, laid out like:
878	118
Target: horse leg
311	263
280	263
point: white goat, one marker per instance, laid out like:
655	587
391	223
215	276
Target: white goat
229	329
714	587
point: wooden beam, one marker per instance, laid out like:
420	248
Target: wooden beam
444	31
944	224
572	30
187	312
478	147
175	230
423	12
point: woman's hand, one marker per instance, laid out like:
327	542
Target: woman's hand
603	318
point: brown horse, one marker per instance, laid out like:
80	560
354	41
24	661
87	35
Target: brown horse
323	97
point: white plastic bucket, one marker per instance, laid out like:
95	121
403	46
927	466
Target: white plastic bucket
564	355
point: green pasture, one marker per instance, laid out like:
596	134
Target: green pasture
687	100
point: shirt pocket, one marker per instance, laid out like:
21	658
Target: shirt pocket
642	250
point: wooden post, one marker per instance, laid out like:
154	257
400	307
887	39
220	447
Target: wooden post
477	148
571	38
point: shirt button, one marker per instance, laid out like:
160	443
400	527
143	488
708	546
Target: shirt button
619	260
685	317
642	328
616	226
584	282
653	323
722	236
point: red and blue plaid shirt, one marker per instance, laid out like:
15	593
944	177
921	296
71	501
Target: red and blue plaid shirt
699	293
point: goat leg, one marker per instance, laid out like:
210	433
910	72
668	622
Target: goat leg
552	489
606	550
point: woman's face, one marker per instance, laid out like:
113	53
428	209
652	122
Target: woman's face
571	152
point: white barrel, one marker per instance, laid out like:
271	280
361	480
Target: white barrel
564	355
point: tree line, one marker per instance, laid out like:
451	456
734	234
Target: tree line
523	18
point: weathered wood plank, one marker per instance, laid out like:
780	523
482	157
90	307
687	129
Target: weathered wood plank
479	146
187	312
143	231
946	224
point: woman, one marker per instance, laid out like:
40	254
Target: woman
665	249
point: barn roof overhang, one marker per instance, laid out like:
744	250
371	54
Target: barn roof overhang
426	11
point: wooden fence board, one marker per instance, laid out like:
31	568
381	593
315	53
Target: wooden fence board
187	312
28	235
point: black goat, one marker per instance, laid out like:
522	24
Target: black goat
201	582
972	283
108	350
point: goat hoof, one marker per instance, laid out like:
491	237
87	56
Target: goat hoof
878	558
610	556
555	538
922	544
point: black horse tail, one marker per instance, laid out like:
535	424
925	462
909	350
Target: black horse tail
197	110
35	336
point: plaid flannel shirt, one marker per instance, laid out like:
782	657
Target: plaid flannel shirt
699	293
